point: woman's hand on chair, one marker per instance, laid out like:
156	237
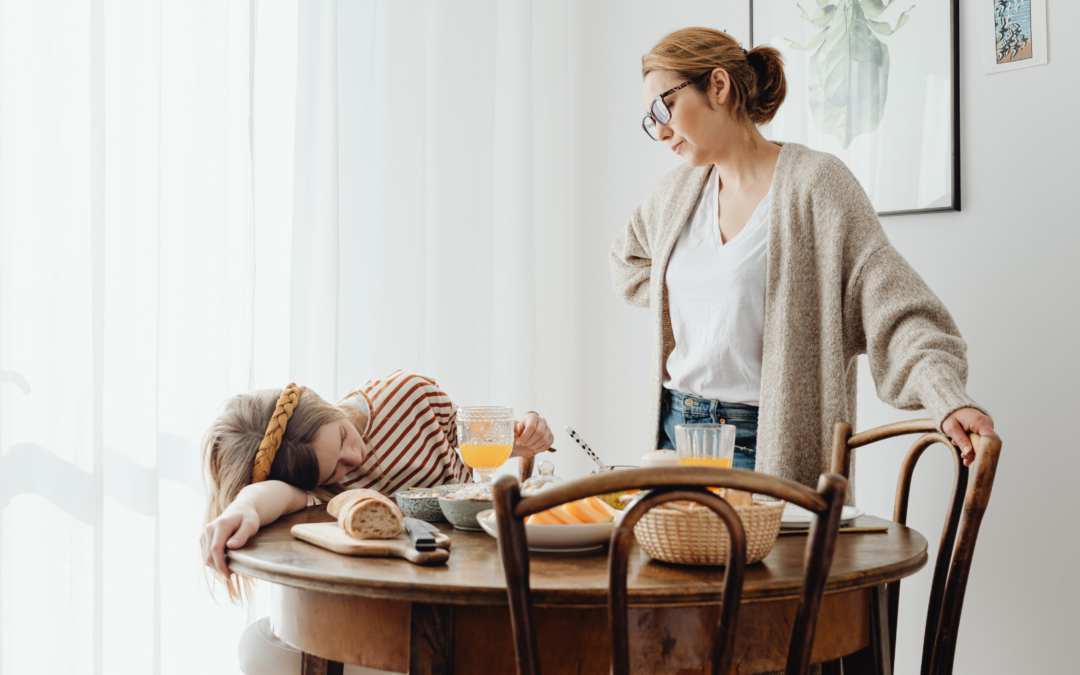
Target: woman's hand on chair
231	529
962	422
532	435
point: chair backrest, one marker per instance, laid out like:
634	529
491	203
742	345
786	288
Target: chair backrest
665	485
969	499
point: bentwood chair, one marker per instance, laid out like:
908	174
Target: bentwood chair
967	504
662	486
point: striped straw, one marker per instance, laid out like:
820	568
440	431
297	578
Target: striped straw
586	448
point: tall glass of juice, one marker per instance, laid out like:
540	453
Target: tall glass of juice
485	438
705	444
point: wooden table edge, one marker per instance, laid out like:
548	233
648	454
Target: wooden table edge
546	598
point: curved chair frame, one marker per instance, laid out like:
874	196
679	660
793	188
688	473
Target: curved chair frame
967	505
666	485
619	559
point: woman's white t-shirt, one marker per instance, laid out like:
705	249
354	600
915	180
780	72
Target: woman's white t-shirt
716	301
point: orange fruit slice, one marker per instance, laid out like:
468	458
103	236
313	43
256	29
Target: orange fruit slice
542	518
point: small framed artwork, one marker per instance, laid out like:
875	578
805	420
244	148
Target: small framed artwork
1013	34
876	83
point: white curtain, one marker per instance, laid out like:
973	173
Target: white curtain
202	198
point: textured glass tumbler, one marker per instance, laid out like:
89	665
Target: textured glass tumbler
485	438
705	444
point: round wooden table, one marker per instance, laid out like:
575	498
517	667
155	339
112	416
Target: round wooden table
389	614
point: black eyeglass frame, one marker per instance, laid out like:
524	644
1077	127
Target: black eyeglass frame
651	115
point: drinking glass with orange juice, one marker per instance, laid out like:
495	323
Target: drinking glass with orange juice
705	444
485	438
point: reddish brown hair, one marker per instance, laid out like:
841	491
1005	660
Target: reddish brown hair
758	86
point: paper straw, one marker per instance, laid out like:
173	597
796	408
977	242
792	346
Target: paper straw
585	447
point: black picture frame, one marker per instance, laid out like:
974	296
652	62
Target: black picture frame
954	69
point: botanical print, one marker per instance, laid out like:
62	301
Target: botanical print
1012	30
871	82
849	71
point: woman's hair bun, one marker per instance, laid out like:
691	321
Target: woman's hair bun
758	86
770	85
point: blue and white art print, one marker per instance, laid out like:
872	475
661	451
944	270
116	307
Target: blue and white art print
872	82
1018	34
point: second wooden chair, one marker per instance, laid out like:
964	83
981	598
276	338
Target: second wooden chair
969	499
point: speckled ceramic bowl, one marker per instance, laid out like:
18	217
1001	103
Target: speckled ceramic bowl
462	513
443	489
422	508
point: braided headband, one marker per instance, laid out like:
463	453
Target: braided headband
271	441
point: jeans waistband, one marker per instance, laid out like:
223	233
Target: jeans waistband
678	398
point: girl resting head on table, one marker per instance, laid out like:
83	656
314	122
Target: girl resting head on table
395	432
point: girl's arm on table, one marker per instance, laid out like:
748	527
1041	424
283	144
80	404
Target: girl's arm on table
256	505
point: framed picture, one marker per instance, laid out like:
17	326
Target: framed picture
1013	34
876	83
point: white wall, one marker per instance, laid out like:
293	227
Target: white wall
1005	266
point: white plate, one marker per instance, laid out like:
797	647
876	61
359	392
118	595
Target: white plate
796	517
556	538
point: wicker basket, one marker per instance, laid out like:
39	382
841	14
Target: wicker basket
697	536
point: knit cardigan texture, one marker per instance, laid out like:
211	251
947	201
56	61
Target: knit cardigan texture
835	289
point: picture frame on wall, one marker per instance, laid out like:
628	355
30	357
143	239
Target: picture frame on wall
1013	34
876	83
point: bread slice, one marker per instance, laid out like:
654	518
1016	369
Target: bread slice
366	514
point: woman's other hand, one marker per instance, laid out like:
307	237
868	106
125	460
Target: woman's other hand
532	435
231	529
962	422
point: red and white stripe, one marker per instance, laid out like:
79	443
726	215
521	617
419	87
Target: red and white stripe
411	433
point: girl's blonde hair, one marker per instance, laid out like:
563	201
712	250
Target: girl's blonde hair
230	444
758	86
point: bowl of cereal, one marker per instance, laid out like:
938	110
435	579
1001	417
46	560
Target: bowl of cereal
449	487
461	506
420	503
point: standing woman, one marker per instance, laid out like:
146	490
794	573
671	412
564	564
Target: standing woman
768	272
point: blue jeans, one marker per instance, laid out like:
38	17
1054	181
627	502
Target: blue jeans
679	408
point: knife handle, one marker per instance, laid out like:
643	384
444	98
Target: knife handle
422	541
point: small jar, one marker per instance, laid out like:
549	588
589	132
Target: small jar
659	458
543	479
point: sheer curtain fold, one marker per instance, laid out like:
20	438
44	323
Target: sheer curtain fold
197	198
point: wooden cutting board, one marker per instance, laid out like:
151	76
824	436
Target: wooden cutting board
332	537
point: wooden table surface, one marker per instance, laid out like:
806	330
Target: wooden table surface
323	592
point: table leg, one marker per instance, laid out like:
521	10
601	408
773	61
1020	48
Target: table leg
431	639
313	665
831	668
876	658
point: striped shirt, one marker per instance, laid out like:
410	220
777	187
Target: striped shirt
411	434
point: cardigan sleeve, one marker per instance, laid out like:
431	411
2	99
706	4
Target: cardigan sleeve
917	355
631	262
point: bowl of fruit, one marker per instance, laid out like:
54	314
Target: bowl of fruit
574	527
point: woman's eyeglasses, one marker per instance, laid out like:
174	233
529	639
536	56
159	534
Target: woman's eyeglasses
659	113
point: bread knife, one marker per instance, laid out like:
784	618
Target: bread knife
418	532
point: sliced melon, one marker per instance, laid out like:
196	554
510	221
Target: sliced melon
565	516
580	511
604	513
587	512
542	518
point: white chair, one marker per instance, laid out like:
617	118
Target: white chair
263	653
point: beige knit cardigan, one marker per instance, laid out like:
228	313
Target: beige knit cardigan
835	289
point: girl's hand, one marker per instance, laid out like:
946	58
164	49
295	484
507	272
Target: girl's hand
967	420
532	435
231	529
